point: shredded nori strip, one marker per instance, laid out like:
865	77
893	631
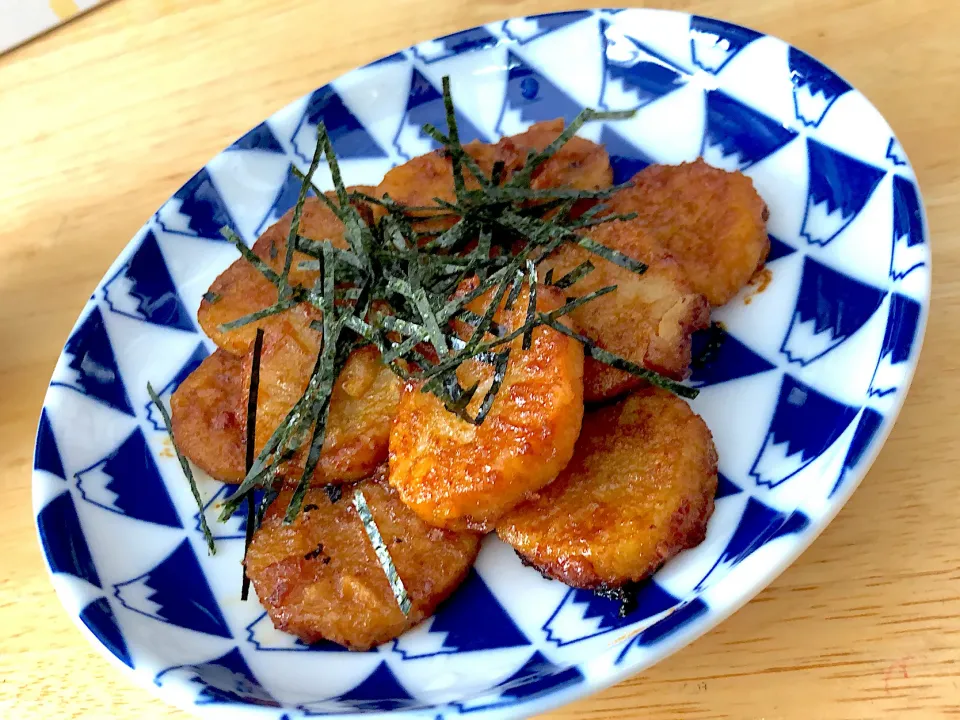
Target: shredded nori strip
574	276
284	285
212	297
188	473
251	450
383	554
274	309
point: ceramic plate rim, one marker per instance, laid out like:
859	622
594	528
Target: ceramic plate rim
667	647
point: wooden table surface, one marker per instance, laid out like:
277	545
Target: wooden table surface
103	119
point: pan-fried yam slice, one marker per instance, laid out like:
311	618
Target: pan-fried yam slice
455	474
364	402
711	221
639	490
419	182
648	319
242	289
579	164
208	412
320	579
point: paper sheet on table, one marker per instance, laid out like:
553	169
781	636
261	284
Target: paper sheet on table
23	20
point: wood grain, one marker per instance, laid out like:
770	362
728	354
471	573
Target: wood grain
104	118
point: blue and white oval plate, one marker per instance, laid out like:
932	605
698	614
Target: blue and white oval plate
800	396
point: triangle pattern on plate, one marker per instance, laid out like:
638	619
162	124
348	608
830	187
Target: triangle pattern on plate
815	87
718	357
626	160
714	43
759	524
736	136
175	592
143	289
63	540
903	322
454	44
455	621
128	482
46	455
260	138
778	249
196	210
909	250
226	679
526	29
805	423
425	105
869	423
531	97
839	188
90	365
99	618
830	308
633	76
378	692
582	614
350	139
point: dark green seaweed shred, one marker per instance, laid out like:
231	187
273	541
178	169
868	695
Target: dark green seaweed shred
383	554
284	285
212	297
251	451
275	309
531	305
185	465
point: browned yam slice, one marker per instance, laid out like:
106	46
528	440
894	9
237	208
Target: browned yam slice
648	319
320	579
640	489
713	222
580	164
458	475
419	181
210	411
243	289
362	408
207	412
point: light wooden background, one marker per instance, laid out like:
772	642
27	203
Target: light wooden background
102	120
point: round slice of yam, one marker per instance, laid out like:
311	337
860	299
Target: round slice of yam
241	289
579	163
461	475
209	410
639	489
649	319
362	408
319	577
711	221
208	413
